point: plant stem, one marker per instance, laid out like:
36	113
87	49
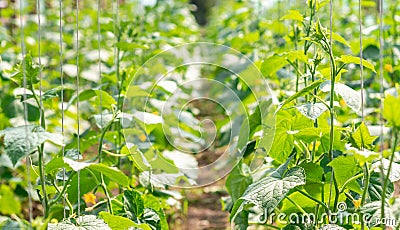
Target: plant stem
314	199
41	153
104	187
332	118
102	183
297	205
386	181
366	185
63	191
43	182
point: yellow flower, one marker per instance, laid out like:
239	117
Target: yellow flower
311	146
357	203
389	68
89	198
142	138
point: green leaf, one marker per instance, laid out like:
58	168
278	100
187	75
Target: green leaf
22	140
373	210
340	39
288	124
346	167
394	171
313	171
375	190
391	108
147	118
269	191
363	156
293	15
272	64
133	204
121	223
112	173
102	120
238	181
150	216
361	138
296	55
8	201
301	92
352	59
107	101
349	95
31	72
87	222
371	52
260	117
155	204
312	111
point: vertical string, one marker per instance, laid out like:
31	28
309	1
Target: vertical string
41	115
99	54
332	133
361	59
381	72
28	160
62	98
382	95
77	102
41	111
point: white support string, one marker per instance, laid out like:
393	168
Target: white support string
382	95
28	160
41	110
40	61
331	47
99	54
381	73
77	103
62	98
361	59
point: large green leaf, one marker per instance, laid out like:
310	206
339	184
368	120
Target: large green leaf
8	201
373	211
344	168
301	92
112	173
312	111
107	101
22	140
272	64
121	223
238	181
288	123
391	108
394	171
293	15
352	59
361	138
349	95
133	205
375	190
269	191
87	222
155	204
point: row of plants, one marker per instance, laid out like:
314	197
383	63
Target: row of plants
97	158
